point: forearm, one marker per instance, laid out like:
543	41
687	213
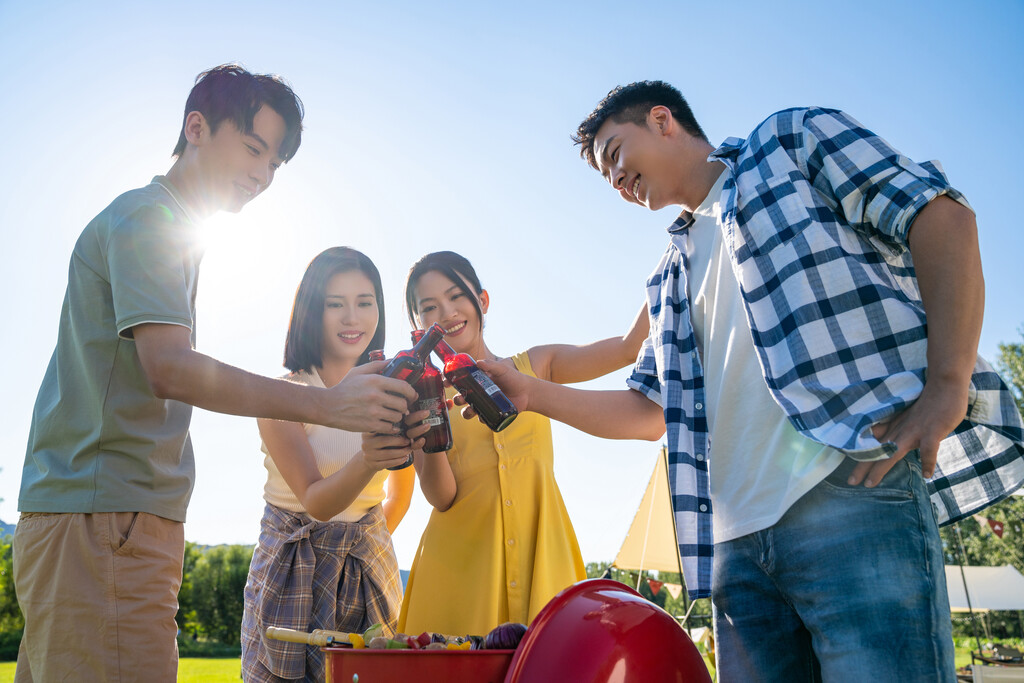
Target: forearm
436	479
327	497
205	382
399	486
569	364
947	261
622	414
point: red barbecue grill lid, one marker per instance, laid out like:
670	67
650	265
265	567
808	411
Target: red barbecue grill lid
602	631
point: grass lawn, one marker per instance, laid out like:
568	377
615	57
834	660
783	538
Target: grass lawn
203	670
190	670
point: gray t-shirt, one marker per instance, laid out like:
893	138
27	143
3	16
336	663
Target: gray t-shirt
100	441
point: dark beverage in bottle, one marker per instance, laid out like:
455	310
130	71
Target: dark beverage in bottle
408	365
493	407
430	389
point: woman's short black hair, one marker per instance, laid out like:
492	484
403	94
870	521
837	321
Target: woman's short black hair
453	266
306	330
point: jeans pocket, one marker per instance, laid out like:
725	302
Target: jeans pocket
897	486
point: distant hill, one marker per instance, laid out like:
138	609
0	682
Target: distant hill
6	529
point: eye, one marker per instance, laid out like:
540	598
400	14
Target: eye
427	309
367	304
255	151
615	154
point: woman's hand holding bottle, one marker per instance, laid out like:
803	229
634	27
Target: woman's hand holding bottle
383	451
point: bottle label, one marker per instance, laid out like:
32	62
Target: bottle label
435	406
485	382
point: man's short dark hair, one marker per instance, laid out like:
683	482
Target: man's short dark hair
231	93
631	103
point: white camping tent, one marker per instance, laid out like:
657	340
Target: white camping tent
651	543
990	588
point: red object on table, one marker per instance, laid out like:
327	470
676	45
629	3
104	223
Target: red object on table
422	666
602	631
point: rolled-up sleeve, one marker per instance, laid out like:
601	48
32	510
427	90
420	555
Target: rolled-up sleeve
876	188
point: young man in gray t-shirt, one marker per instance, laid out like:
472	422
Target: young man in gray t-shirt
109	467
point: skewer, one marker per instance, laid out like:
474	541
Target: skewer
319	637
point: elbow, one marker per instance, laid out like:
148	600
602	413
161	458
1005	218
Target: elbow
318	513
654	433
443	503
163	384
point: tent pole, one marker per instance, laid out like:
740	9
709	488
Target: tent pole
967	593
687	605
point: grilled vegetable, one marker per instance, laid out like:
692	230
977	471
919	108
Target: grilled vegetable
505	636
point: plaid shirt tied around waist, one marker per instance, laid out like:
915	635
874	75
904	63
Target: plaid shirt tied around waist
308	575
815	213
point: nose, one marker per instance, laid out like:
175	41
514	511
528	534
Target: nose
263	174
617	178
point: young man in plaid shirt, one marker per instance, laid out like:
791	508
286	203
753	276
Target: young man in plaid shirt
813	359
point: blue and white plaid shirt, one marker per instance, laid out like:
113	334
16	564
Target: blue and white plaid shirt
815	213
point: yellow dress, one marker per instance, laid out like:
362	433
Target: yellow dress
506	546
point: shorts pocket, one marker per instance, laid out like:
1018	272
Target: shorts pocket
124	529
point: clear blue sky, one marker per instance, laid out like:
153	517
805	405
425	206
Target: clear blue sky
446	126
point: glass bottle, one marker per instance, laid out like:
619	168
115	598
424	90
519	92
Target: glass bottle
494	408
409	365
430	389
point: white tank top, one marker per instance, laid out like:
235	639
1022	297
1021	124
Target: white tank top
332	448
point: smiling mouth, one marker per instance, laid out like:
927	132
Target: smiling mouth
455	329
350	337
636	187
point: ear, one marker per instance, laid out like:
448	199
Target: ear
196	128
660	120
485	300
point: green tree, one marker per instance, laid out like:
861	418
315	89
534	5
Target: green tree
217	585
186	616
12	624
1011	366
700	615
982	547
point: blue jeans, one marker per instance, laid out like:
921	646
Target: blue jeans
848	586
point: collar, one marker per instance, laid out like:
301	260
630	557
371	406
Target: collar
169	187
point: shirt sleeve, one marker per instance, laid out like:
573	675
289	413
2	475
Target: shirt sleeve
877	189
645	373
151	273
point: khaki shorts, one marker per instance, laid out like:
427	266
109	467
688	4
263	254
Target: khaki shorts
99	593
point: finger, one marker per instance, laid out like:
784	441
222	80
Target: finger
417	431
468	412
401	459
859	472
417	417
418	444
458	400
389	442
929	453
879	469
400	388
371	368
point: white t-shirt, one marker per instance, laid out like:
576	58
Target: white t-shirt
759	464
332	449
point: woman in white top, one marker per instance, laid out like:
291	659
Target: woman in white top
324	557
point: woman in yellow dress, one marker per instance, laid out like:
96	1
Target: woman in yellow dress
499	543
